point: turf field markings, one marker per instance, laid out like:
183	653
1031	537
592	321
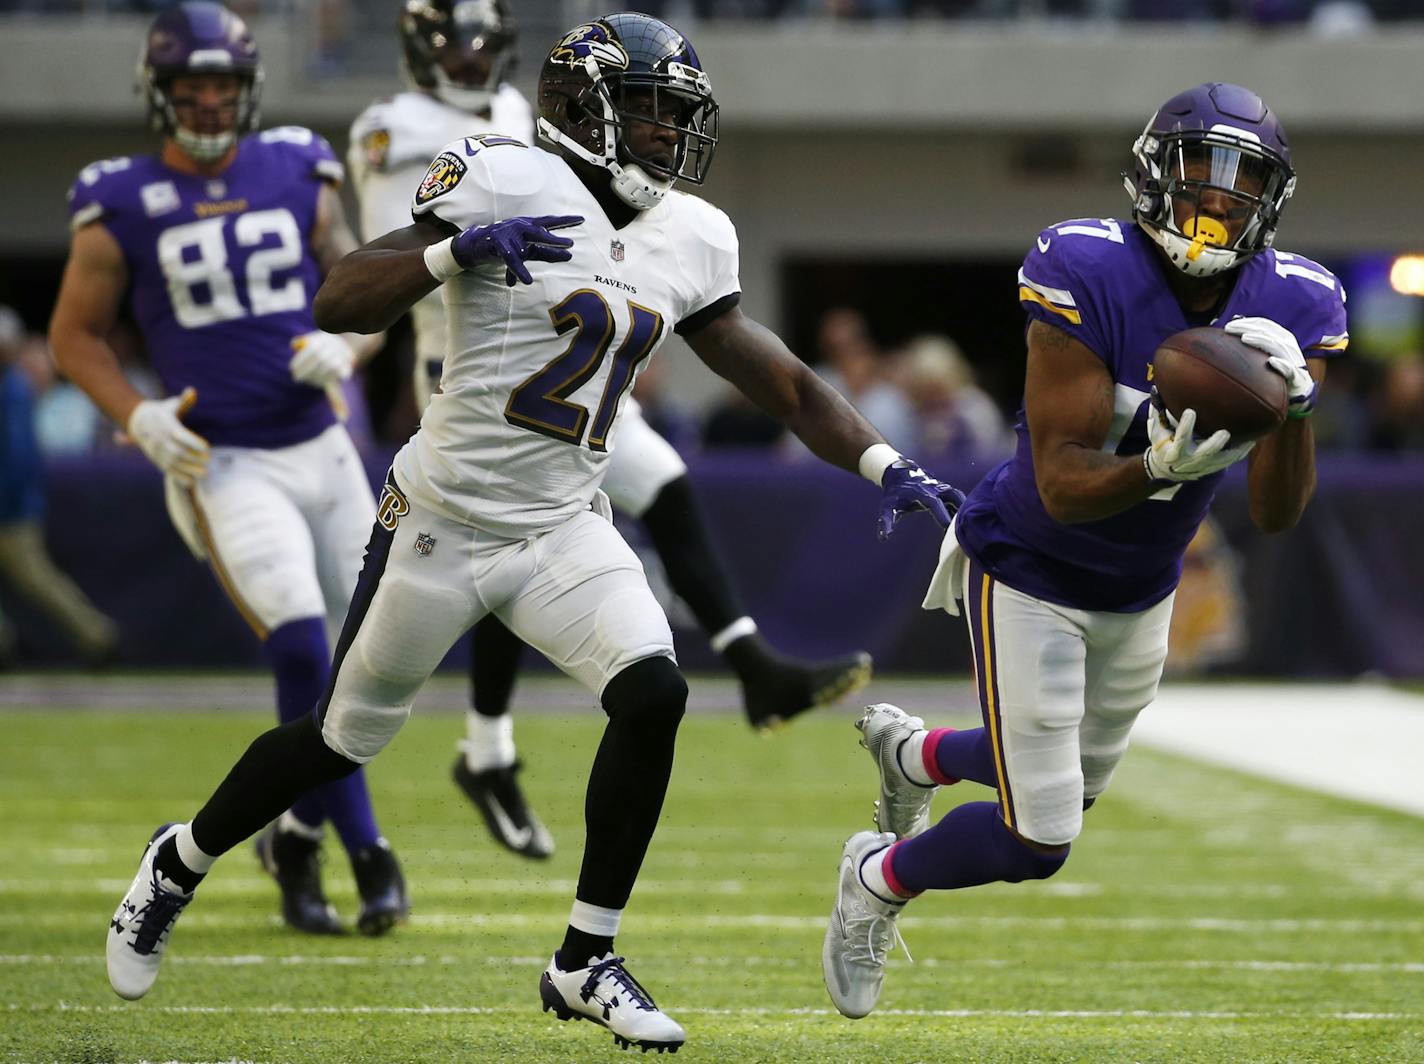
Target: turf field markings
1126	924
259	960
760	1012
251	883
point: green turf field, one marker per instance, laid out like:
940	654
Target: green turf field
1204	916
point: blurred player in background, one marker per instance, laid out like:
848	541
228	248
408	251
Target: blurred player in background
223	238
494	505
1067	555
457	54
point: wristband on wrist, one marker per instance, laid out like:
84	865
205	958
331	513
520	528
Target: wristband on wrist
877	458
440	260
1155	481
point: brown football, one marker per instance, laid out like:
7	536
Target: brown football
1225	381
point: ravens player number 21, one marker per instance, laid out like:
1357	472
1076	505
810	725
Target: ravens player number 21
455	54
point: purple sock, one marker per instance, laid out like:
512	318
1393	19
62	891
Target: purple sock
968	847
960	755
299	655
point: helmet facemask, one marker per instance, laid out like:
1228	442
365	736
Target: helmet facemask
599	112
203	147
1209	198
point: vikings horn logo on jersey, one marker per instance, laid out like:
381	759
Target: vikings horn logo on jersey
444	174
593	39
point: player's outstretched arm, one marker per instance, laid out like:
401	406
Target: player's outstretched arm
369	289
755	360
1068	400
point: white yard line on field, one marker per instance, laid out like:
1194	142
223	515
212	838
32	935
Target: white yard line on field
760	1013
258	960
780	922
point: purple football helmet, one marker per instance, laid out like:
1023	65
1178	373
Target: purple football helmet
199	37
628	67
1212	175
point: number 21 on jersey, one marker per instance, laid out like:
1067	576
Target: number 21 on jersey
541	402
201	286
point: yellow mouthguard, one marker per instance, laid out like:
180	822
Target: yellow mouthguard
1203	231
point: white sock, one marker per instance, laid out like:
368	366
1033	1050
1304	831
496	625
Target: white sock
489	741
911	758
738	629
872	877
194	859
288	824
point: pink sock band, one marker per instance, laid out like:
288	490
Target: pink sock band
887	869
927	753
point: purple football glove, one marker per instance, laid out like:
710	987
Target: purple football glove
514	242
908	488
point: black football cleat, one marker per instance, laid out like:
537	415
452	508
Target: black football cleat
384	901
776	689
295	863
497	795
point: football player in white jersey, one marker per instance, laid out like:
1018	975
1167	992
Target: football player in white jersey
494	505
456	55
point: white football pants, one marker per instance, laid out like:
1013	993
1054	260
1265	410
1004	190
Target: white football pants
283	529
1059	690
576	593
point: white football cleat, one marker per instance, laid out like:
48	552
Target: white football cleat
904	805
861	932
606	993
139	931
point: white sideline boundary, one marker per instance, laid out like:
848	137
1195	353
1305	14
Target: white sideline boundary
1357	741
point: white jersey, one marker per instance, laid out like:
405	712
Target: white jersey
536	375
392	143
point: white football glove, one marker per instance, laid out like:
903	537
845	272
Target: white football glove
1173	455
1285	358
154	426
322	359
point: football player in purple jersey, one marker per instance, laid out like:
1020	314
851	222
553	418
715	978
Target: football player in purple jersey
223	238
1066	556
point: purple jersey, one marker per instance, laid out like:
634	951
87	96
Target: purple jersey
223	277
1101	281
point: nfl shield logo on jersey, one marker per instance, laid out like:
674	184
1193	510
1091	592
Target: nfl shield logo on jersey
615	251
424	544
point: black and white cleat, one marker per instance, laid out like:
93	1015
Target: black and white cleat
607	994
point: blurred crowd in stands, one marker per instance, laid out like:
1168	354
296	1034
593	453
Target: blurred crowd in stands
1327	15
924	395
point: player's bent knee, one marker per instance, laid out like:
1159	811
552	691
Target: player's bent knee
360	732
1034	859
651	692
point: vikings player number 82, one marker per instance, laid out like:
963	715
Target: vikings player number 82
194	259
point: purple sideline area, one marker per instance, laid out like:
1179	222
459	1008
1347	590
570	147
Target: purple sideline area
1341	595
